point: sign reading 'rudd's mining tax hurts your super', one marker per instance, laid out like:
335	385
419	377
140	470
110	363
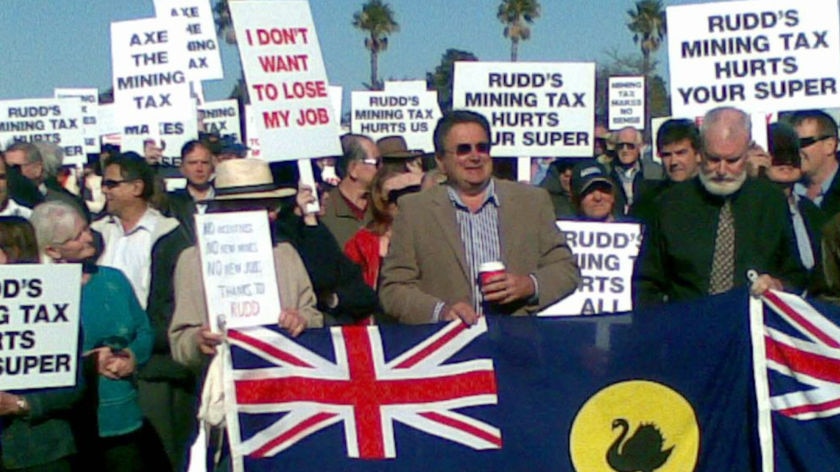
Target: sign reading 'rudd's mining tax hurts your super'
39	325
761	56
534	108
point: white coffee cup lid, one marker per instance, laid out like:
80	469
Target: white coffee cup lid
491	266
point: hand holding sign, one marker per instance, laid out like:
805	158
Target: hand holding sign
291	320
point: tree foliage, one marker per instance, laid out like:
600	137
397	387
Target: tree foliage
441	79
376	19
517	16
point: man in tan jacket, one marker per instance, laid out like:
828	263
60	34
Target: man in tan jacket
442	235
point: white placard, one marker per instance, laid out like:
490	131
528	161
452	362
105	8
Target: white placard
106	120
57	120
534	108
39	325
200	46
627	102
286	78
151	91
169	136
761	56
222	118
90	113
237	265
605	253
395	111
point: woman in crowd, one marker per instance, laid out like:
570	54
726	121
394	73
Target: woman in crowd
370	244
116	333
36	432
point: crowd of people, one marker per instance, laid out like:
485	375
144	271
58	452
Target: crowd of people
400	237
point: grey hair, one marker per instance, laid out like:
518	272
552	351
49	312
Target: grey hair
54	223
52	156
639	138
734	119
29	150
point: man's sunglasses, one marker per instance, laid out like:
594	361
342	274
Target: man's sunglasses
810	140
465	148
111	184
630	146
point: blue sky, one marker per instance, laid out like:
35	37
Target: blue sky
58	43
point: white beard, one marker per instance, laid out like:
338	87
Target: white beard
722	189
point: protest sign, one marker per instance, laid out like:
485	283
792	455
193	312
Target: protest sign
627	102
286	78
200	46
252	134
605	253
534	109
222	118
151	92
237	265
163	140
39	325
90	109
761	56
401	109
56	120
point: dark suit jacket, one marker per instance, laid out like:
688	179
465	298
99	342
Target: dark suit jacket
426	262
643	183
181	205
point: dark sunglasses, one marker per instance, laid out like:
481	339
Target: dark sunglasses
810	140
112	184
630	146
465	148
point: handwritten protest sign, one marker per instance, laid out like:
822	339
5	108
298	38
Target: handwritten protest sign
237	265
200	46
90	110
534	109
627	102
222	118
761	56
605	253
286	77
39	325
56	120
151	92
401	109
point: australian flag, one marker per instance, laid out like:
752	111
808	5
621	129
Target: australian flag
802	346
670	389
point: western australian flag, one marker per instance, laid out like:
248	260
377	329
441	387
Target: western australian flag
669	389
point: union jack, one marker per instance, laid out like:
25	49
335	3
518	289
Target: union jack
812	359
363	390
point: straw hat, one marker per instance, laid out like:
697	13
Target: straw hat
247	179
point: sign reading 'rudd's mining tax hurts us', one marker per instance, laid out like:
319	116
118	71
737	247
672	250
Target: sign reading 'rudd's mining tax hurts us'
55	120
761	56
534	109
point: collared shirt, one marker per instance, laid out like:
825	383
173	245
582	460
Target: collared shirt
201	208
626	177
14	208
803	241
131	251
801	189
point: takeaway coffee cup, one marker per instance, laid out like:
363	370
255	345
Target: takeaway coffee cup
489	269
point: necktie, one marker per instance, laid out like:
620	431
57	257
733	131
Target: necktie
723	260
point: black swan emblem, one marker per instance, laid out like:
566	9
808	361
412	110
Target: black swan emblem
642	452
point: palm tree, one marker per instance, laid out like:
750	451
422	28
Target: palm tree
516	15
441	79
377	20
647	23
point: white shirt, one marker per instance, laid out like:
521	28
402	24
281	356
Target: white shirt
131	252
14	208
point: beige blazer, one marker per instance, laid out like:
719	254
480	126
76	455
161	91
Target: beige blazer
191	311
426	262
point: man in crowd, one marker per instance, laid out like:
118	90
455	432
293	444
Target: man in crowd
557	183
817	132
42	174
442	235
628	172
145	245
678	145
348	210
707	233
593	192
8	206
197	167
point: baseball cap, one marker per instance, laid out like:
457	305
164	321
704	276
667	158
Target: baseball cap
586	174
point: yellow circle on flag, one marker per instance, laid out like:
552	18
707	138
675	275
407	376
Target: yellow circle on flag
635	426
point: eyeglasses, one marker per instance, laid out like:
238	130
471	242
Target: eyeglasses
464	149
112	184
630	146
810	140
372	162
